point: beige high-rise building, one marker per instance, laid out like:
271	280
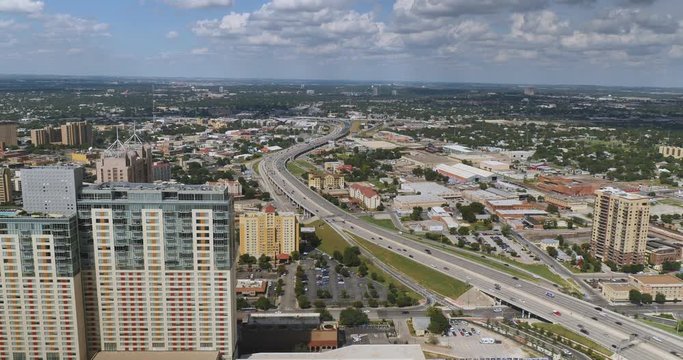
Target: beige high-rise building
620	224
671	151
8	133
157	266
128	164
269	233
41	295
77	133
45	136
6	186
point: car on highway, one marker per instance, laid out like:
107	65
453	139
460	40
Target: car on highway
515	278
410	256
557	313
594	318
549	294
585	331
446	268
618	323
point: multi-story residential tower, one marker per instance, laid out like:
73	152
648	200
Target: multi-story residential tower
51	189
8	133
158	267
46	135
6	186
41	297
269	233
620	223
77	133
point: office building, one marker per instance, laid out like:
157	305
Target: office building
6	186
161	171
129	161
269	233
325	181
8	134
41	297
620	223
462	173
77	133
51	189
234	187
158	267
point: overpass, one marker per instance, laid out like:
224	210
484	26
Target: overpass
610	329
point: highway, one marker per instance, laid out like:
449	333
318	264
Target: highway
608	328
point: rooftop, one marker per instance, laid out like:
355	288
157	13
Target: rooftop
464	171
623	194
166	186
665	279
156	355
353	352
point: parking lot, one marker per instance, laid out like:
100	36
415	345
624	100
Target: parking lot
467	340
324	283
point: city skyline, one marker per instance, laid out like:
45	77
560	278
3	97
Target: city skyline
616	42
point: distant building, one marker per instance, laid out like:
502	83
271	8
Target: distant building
8	134
247	287
660	251
462	173
671	151
161	171
269	233
366	195
668	285
42	298
45	136
493	165
77	133
568	186
51	189
518	155
6	186
325	181
394	137
332	166
129	161
406	203
431	188
620	225
234	187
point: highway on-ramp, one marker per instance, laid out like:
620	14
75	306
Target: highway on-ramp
632	339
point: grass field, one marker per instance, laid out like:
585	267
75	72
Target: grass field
424	275
355	126
299	167
566	333
671	201
667	328
331	240
385	223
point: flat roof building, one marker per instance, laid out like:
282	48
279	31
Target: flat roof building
432	189
51	189
465	174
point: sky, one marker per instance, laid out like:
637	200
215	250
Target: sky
594	42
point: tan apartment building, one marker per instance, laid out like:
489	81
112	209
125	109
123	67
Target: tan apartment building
671	151
269	233
367	196
620	224
77	133
8	133
666	284
6	186
325	181
45	136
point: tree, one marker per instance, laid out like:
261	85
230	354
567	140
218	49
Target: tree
325	315
552	251
351	256
483	186
635	296
262	303
671	266
380	207
264	262
416	214
438	323
475	246
303	301
506	230
646	299
552	208
463	230
246	259
353	317
660	298
453	231
338	256
362	270
242	303
295	255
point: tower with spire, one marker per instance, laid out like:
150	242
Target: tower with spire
126	161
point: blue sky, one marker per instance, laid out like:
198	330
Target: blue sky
608	42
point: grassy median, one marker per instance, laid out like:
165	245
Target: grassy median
570	335
383	223
421	274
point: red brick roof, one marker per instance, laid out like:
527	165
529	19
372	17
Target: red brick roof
365	190
269	209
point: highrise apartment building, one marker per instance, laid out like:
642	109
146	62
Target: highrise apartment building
8	133
620	224
45	136
6	186
51	189
158	267
269	233
41	297
77	133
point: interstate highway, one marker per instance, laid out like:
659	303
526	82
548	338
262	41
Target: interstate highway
648	343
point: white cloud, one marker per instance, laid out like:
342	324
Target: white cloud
200	51
22	6
233	23
4	24
69	25
172	34
198	4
